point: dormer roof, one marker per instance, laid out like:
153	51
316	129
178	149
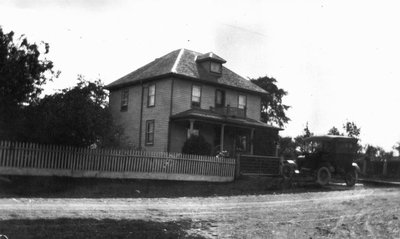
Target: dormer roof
210	57
183	64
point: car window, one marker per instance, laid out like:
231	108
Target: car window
345	147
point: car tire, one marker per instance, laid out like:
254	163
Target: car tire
323	176
287	172
351	177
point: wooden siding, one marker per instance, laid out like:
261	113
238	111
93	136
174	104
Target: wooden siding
160	114
182	98
253	110
130	119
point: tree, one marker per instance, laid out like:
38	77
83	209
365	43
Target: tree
397	147
352	129
334	131
76	116
287	147
272	108
299	140
265	141
22	73
377	153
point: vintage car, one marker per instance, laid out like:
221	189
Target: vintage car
325	157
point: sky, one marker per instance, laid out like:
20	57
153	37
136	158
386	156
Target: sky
338	60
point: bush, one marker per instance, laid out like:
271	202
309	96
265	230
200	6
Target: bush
196	145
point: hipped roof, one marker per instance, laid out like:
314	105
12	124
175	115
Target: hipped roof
182	64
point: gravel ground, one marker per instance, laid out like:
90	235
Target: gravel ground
334	212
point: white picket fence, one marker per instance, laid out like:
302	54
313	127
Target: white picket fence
18	158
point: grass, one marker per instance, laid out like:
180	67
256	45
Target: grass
64	228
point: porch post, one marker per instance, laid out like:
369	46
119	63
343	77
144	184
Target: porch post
191	125
222	137
251	141
191	128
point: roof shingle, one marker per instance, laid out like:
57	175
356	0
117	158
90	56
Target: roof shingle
212	116
183	63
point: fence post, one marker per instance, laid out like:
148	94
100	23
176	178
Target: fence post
384	171
237	166
277	150
365	166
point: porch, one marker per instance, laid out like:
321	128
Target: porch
224	133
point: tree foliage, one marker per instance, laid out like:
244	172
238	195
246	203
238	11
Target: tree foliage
377	153
265	141
334	131
272	108
299	140
352	130
75	116
287	148
397	147
22	73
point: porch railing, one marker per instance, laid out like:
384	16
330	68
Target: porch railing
230	111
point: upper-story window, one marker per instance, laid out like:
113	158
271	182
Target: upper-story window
215	67
196	95
242	102
124	99
219	98
151	96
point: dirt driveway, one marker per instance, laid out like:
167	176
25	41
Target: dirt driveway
359	213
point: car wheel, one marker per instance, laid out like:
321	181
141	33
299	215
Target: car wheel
351	178
287	172
323	176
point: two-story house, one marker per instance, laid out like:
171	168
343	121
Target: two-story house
163	103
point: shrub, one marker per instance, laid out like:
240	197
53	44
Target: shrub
196	145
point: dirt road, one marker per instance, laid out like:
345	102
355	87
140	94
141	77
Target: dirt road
358	213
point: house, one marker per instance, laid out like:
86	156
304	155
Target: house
184	93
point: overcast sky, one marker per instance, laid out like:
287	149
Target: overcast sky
339	60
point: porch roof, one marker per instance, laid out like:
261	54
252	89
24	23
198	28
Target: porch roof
207	115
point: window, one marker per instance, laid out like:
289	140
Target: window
242	102
196	95
124	99
219	98
151	96
216	67
241	144
194	132
149	132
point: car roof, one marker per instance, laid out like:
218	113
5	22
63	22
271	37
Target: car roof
331	138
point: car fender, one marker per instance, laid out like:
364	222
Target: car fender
291	162
356	167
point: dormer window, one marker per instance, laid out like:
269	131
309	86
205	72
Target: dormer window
216	67
211	62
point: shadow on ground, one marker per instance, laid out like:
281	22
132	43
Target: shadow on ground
64	187
91	228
